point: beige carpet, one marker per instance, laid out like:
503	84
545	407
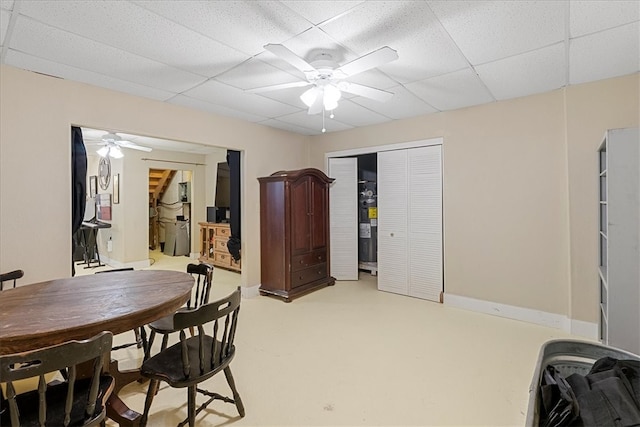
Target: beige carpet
350	355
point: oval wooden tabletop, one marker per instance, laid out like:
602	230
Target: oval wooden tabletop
52	312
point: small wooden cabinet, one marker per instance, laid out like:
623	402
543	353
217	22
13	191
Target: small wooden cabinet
294	233
213	245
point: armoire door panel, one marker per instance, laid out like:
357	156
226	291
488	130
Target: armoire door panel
318	201
300	216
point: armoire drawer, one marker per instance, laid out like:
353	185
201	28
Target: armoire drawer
308	275
303	261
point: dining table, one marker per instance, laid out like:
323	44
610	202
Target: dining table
55	311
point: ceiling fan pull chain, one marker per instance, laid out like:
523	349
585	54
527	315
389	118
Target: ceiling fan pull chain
323	128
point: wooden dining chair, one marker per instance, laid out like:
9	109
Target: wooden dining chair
197	358
12	275
203	274
77	400
140	333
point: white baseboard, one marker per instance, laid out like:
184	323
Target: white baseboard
250	291
194	255
117	264
543	318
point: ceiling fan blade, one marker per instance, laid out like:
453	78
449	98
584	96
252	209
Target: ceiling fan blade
367	62
316	107
366	91
293	59
277	87
133	146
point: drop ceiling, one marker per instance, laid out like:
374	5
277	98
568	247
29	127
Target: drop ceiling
206	54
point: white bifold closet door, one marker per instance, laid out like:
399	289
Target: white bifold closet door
343	218
410	222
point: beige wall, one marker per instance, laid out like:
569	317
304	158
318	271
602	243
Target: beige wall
591	110
515	173
519	183
36	113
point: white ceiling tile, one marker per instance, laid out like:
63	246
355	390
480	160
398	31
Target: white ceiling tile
450	91
538	71
198	104
4	24
590	16
290	96
290	127
44	66
255	73
6	4
403	104
319	11
247	26
490	30
410	28
221	94
356	115
313	121
50	43
308	45
138	31
605	54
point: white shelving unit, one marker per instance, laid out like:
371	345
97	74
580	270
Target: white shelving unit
619	238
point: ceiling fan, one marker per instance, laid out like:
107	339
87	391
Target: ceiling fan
111	146
328	78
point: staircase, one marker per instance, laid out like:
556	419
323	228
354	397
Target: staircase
159	180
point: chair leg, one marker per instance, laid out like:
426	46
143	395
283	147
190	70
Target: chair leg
236	395
191	404
165	341
147	350
151	392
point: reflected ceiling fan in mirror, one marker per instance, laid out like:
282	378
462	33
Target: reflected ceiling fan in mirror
328	79
112	143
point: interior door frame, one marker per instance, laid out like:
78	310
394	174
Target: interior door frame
398	146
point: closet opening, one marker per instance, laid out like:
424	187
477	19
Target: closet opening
368	213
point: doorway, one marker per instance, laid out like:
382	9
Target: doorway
170	199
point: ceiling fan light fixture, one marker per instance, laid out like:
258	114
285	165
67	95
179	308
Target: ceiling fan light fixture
331	96
310	95
103	152
116	152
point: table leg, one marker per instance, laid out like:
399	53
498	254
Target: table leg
117	410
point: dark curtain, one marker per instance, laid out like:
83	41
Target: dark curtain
78	186
233	160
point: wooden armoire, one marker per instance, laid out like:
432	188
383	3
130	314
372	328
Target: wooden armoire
294	233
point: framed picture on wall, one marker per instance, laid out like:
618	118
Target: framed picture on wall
93	186
116	188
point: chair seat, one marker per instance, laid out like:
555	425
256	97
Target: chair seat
162	326
167	365
165	325
55	397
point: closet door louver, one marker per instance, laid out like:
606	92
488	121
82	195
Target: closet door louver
392	222
410	222
343	217
425	222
